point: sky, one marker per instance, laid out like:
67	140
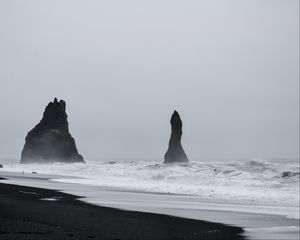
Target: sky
230	68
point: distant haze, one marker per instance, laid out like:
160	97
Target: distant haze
230	68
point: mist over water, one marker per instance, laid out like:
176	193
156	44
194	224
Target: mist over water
231	69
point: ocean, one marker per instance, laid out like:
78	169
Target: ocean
253	181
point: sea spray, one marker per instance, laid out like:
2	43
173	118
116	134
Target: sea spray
255	181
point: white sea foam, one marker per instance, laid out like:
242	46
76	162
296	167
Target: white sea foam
255	181
275	229
49	199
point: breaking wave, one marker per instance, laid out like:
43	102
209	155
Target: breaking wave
256	180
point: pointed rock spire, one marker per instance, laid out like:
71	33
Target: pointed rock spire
175	151
50	140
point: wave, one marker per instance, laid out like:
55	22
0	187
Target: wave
289	174
254	181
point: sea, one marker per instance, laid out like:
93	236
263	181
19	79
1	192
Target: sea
253	181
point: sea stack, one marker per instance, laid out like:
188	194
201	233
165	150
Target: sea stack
175	151
50	140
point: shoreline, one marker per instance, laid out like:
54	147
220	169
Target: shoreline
94	194
256	225
37	213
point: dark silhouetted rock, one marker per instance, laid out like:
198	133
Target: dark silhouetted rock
1	166
50	140
175	151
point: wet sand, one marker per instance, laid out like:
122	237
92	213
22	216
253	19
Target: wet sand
259	222
37	213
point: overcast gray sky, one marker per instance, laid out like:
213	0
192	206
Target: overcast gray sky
231	69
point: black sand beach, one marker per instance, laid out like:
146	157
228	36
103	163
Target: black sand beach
31	213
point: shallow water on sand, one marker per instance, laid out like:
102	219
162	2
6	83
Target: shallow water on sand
260	222
257	181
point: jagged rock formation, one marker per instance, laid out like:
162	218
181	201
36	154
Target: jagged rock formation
1	166
175	151
50	140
